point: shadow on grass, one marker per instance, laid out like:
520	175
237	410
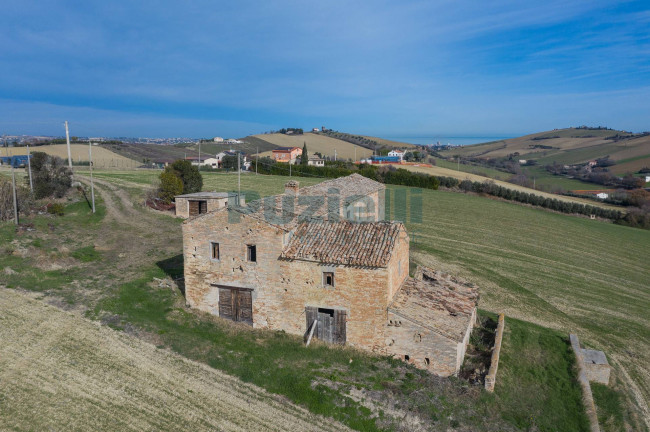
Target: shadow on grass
173	267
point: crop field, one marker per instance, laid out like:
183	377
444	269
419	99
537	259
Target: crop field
60	371
101	157
317	143
562	272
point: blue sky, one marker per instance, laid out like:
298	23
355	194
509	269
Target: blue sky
408	68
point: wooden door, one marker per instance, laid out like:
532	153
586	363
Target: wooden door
194	208
203	207
236	304
330	324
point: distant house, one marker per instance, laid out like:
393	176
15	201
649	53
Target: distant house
397	153
217	139
647	179
592	163
162	163
602	195
211	162
316	161
315	130
286	154
523	161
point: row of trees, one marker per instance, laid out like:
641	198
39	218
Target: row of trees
400	176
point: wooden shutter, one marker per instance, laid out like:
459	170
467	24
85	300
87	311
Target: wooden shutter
226	303
244	306
194	208
340	321
311	313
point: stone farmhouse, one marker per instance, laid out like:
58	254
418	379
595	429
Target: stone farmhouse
321	260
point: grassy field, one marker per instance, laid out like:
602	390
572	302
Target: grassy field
70	374
446	172
102	157
551	269
317	143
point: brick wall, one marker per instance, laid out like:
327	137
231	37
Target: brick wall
183	208
282	288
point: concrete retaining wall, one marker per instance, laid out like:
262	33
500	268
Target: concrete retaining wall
491	377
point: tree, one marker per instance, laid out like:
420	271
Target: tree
304	157
170	185
189	175
51	175
230	162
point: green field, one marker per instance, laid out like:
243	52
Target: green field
562	272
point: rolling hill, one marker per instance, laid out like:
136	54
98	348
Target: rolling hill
102	157
631	152
316	143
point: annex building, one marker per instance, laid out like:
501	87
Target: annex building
322	260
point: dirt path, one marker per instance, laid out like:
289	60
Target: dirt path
59	371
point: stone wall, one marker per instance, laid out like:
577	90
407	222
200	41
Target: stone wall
283	288
420	346
491	377
183	207
587	397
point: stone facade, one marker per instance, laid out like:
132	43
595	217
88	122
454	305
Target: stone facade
288	279
213	201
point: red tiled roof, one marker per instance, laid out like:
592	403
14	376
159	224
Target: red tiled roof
351	243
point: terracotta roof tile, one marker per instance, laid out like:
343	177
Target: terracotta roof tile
351	243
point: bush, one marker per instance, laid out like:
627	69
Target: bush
56	209
25	199
188	174
51	176
170	186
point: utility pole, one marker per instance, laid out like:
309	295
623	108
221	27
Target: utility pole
355	154
199	154
67	140
257	157
334	155
289	167
238	178
458	163
13	180
90	164
29	168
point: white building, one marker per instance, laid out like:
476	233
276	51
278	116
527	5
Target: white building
316	161
398	153
647	179
602	195
217	139
211	162
315	130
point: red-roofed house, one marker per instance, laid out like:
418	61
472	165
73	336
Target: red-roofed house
286	154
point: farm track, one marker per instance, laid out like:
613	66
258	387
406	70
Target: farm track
60	371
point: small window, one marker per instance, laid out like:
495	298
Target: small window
427	361
251	253
214	248
328	279
407	357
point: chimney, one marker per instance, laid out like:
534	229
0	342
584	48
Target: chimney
291	188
